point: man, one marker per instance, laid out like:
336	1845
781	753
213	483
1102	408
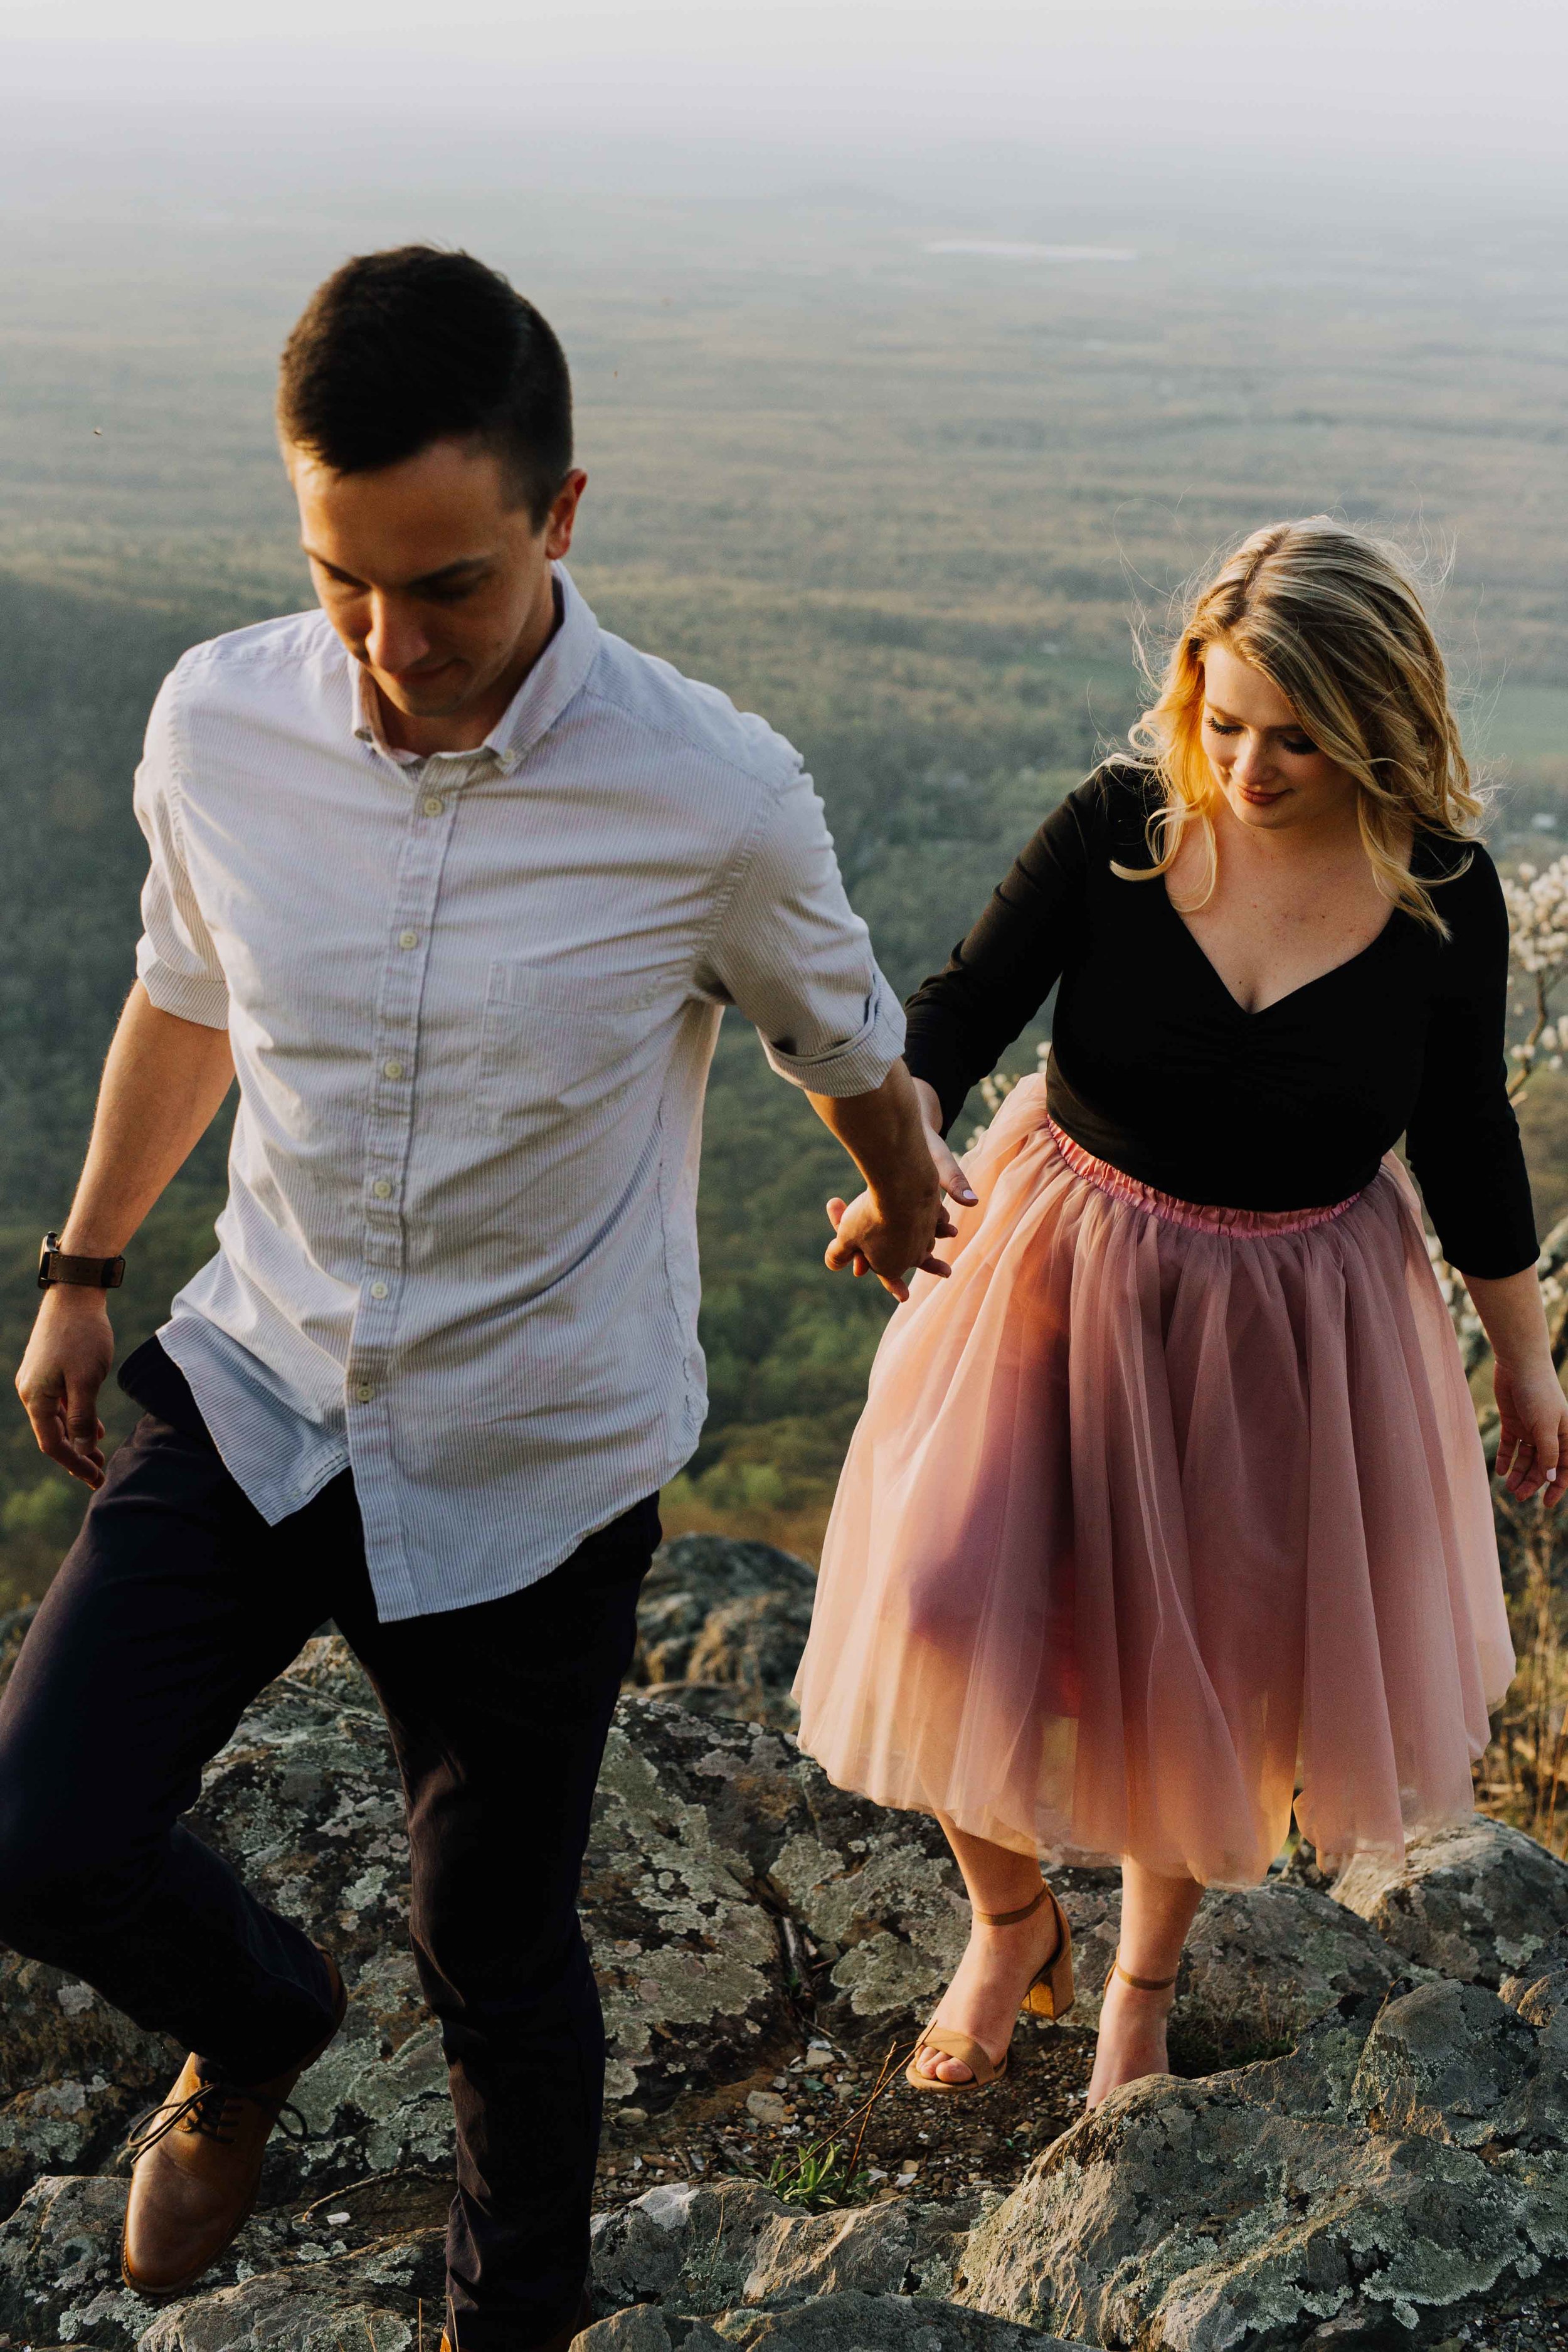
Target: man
457	886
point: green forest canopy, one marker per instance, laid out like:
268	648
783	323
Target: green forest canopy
907	510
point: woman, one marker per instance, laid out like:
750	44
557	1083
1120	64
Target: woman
1169	1503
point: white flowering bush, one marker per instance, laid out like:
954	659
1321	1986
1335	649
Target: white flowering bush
995	1090
1537	900
1473	1342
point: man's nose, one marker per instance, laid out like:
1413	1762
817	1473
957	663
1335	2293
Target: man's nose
394	641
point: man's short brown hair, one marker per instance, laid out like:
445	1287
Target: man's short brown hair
401	349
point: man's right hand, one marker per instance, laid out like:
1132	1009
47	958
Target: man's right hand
162	1082
69	1359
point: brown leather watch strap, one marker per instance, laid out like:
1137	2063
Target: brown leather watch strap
84	1273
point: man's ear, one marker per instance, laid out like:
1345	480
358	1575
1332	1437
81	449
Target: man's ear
563	516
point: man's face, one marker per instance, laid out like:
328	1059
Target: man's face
430	571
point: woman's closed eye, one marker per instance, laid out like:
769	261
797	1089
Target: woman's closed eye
1300	746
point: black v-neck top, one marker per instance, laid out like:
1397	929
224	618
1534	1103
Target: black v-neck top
1155	1067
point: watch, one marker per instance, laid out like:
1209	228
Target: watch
88	1273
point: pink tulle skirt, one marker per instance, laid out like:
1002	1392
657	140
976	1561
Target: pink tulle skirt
1160	1519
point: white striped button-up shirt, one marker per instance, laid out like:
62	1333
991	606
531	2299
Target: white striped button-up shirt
472	1000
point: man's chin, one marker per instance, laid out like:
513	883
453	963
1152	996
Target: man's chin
446	692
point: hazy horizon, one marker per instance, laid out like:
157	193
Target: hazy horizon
1191	260
979	118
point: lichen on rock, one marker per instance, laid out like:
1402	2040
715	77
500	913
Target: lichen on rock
697	2250
1476	1902
1251	2208
851	2322
1397	2164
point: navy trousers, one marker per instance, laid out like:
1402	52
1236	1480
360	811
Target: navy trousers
174	1607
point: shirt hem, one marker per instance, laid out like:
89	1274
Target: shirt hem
272	1505
397	1612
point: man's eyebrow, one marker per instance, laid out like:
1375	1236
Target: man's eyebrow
448	572
444	578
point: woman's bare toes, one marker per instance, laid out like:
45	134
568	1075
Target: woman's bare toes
937	2067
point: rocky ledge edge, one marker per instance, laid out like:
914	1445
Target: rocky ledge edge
1389	2167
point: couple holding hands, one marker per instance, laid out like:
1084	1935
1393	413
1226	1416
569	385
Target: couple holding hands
1167	1513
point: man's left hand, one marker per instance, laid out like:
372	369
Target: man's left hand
892	1241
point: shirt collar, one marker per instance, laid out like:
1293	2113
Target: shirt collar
560	673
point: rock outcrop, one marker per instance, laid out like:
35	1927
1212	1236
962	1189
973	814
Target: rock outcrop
721	1626
698	2251
1476	1902
1392	2163
835	2323
1400	2171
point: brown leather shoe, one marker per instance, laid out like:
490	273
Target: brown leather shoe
559	2343
197	2169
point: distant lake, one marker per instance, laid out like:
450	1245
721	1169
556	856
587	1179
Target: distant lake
1000	249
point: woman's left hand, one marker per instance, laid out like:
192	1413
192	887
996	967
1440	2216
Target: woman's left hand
1532	1445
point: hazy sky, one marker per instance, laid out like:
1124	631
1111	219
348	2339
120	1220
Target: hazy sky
1449	91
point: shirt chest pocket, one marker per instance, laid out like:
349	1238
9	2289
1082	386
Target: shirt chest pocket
558	1044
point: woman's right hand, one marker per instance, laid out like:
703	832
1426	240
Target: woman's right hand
950	1175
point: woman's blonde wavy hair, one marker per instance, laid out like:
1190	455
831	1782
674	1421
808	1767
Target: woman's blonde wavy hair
1336	622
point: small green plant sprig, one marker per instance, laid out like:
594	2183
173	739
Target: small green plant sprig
816	2179
820	2176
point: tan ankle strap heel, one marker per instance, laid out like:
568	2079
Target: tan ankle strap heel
1049	1993
1144	1984
1010	1918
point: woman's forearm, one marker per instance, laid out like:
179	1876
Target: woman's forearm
1512	1317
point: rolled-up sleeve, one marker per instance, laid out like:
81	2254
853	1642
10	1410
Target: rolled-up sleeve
792	953
175	960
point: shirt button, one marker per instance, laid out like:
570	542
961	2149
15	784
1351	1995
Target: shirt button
408	939
392	1069
378	1290
382	1189
434	804
364	1392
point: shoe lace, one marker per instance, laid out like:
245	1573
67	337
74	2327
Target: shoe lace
212	2109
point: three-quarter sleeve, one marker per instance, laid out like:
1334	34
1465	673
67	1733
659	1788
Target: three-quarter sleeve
177	962
790	952
963	1019
1463	1139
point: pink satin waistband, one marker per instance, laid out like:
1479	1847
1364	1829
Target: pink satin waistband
1198	1216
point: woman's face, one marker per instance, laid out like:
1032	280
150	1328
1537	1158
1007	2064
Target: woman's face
1271	773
